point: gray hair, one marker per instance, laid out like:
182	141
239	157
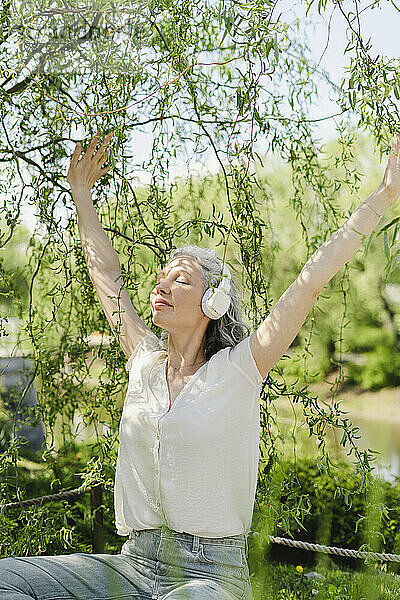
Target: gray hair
228	330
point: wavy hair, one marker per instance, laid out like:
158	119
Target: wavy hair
228	330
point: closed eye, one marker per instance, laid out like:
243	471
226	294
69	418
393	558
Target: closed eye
184	282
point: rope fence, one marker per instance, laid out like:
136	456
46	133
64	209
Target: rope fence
46	499
333	550
96	496
96	505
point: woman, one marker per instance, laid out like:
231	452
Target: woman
187	463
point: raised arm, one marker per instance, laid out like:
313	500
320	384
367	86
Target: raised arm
273	337
101	259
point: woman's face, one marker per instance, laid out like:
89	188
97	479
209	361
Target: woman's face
176	299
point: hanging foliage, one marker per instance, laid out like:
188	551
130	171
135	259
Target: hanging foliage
227	84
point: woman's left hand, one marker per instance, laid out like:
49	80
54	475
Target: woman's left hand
391	179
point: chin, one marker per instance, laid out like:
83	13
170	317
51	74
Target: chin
159	321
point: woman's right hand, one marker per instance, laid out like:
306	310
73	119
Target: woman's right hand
85	172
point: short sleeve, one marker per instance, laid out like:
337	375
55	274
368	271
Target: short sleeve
147	345
242	359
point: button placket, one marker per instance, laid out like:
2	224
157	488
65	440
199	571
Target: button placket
157	465
157	457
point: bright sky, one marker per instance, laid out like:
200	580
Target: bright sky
381	24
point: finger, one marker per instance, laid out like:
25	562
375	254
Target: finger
76	154
107	156
100	152
392	160
95	138
395	146
93	143
105	170
107	139
395	150
103	154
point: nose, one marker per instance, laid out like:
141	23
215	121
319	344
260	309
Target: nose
161	286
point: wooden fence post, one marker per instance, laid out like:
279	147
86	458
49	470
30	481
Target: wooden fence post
96	504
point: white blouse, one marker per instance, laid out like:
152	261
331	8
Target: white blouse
193	467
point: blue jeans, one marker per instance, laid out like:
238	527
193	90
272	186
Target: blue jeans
159	564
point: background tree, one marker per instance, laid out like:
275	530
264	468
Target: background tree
211	82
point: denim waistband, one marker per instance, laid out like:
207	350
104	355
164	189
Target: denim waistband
164	531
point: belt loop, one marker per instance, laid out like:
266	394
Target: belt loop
196	543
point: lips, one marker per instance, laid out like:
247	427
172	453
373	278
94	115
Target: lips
161	303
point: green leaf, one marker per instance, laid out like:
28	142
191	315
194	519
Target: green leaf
257	117
386	245
388	225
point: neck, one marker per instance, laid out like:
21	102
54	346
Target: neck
185	350
186	369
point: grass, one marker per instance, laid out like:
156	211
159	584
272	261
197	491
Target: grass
275	581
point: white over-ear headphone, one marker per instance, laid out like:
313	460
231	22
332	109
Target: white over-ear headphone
216	301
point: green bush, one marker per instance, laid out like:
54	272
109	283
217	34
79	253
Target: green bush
381	369
365	337
381	360
61	527
327	517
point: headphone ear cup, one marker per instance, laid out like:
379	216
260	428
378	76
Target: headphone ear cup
215	303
